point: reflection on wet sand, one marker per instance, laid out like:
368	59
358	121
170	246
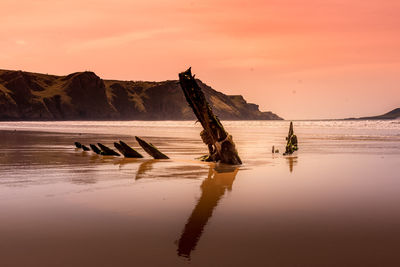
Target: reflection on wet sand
61	207
291	161
213	188
144	167
170	169
84	177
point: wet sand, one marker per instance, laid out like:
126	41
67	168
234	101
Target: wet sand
334	203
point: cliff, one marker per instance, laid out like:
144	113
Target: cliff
85	96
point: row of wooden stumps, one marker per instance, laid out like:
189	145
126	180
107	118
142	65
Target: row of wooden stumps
124	149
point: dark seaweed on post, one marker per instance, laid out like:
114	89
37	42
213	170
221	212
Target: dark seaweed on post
291	145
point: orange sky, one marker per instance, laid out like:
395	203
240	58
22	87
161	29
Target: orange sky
303	59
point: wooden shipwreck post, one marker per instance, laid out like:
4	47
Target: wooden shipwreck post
151	149
220	143
291	145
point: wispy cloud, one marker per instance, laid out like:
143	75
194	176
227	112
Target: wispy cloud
112	42
20	42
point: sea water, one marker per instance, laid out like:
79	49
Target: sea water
332	203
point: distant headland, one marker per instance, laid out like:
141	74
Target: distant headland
85	96
391	115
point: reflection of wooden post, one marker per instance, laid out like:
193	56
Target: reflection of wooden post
212	190
290	164
220	143
144	167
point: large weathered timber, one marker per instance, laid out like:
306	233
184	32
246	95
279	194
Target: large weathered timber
126	150
151	149
106	151
220	144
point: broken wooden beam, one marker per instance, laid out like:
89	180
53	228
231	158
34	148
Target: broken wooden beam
126	150
220	143
85	148
78	145
95	149
151	149
106	151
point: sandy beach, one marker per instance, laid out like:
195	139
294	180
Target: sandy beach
333	203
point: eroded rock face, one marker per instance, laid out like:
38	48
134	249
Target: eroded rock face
121	100
17	98
85	96
88	96
8	107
